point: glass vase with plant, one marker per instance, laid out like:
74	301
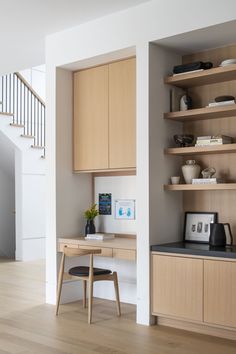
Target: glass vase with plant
90	214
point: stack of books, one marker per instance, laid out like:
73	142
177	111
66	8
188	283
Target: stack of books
204	181
222	103
213	140
100	237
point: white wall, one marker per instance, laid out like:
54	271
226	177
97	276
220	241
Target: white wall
36	77
92	42
7	215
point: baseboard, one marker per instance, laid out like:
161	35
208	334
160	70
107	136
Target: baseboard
198	328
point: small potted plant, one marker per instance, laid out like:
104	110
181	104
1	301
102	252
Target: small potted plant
90	215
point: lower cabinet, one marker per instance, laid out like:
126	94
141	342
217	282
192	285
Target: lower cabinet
220	293
195	289
177	287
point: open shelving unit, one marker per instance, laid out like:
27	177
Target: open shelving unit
205	77
200	187
201	150
206	85
202	113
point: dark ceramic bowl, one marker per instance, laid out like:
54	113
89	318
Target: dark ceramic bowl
184	140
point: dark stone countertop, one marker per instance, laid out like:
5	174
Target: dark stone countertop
196	249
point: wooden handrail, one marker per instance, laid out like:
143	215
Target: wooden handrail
22	79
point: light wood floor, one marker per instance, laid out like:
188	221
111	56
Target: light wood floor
28	326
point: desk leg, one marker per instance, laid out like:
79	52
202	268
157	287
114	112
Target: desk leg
84	293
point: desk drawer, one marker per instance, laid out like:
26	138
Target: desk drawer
124	254
62	245
106	252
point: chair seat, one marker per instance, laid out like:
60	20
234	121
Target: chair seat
83	271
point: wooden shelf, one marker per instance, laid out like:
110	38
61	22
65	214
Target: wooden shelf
202	113
205	77
200	187
202	150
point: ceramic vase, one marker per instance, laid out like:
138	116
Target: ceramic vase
190	170
90	227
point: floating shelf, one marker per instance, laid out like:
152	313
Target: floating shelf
202	113
200	187
202	150
205	77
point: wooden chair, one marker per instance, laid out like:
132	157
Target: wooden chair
86	274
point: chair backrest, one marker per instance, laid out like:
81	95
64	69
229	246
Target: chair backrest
76	252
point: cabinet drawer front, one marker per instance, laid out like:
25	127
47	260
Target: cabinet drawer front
124	254
106	252
220	293
177	287
62	245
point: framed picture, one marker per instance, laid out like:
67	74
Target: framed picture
197	226
125	209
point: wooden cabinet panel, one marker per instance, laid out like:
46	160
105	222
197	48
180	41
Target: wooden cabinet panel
91	119
177	287
122	114
124	254
105	252
220	293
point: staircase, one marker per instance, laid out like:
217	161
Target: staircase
19	100
22	128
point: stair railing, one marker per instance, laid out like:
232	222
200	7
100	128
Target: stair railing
18	98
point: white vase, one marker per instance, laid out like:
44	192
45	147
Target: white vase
190	170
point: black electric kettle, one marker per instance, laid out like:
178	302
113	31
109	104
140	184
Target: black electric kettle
218	237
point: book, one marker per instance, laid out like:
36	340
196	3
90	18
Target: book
223	103
214	140
100	236
204	181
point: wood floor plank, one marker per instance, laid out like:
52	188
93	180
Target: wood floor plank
29	326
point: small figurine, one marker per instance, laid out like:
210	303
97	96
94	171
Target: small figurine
208	172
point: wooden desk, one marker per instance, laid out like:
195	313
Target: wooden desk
121	247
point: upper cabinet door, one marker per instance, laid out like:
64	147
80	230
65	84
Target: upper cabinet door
91	119
122	114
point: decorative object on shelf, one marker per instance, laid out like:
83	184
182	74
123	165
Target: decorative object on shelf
184	140
175	179
224	98
197	226
208	172
175	95
90	215
213	140
227	62
190	170
185	103
220	235
190	67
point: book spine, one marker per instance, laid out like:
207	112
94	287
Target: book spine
204	181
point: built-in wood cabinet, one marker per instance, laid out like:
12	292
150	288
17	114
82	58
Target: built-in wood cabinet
122	113
220	293
177	287
104	117
195	289
91	119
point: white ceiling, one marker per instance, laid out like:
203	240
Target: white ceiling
25	23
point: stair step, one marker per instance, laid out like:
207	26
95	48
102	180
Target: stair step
27	136
17	125
7	114
37	147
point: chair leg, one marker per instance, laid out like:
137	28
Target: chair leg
60	281
84	293
90	301
116	286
